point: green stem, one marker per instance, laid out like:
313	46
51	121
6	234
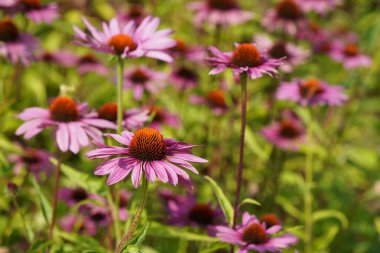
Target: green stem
120	73
309	193
55	196
136	218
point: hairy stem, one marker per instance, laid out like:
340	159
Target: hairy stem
308	193
136	218
55	196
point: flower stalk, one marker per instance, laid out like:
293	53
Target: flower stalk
308	201
55	196
243	81
136	218
120	73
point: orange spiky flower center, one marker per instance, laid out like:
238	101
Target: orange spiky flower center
311	88
216	98
120	42
8	30
288	129
351	50
108	111
289	9
139	76
201	214
270	220
223	5
246	55
148	145
64	109
255	234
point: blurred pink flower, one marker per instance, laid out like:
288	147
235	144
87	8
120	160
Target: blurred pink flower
219	12
141	78
61	58
74	125
163	117
34	160
135	12
184	78
16	46
128	40
288	134
319	6
246	58
287	16
132	119
184	210
311	92
294	55
215	99
253	235
188	52
146	152
88	63
350	56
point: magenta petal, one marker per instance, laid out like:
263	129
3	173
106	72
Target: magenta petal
136	174
62	135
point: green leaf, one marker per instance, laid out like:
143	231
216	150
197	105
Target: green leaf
222	199
326	214
289	207
44	203
79	178
135	243
249	201
324	241
214	247
38	246
163	231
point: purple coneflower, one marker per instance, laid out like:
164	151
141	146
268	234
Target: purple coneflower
16	46
184	78
74	125
310	92
88	63
73	196
270	220
132	119
135	12
141	79
34	160
146	151
246	58
163	117
219	12
286	16
292	54
184	210
350	55
288	134
38	12
61	58
319	6
215	99
128	40
188	52
253	235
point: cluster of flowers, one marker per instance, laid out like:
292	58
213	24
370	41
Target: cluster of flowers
144	152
